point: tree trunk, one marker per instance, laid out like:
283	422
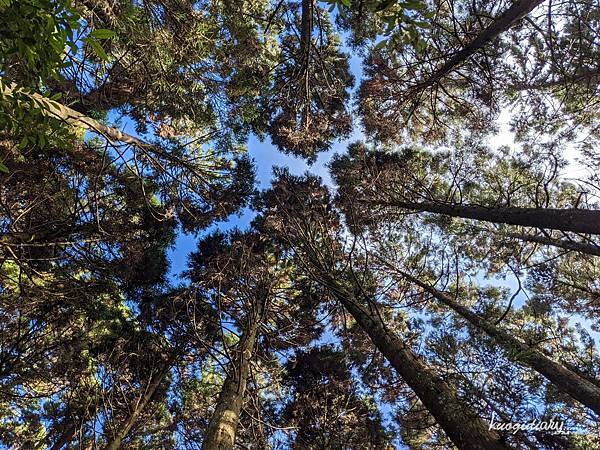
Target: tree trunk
223	424
138	409
564	379
577	220
465	430
66	436
306	28
512	15
566	244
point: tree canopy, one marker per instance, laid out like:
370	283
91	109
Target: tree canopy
443	291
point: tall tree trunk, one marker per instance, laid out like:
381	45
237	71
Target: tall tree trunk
465	430
577	220
512	15
138	409
223	424
564	379
306	28
566	244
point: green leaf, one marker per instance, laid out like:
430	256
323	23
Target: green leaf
97	48
23	143
3	168
385	5
103	33
413	5
346	3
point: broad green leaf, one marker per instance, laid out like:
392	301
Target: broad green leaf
102	33
385	5
97	48
413	5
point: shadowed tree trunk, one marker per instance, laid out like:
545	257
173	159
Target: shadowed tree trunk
565	244
465	430
564	379
577	220
306	28
223	424
67	436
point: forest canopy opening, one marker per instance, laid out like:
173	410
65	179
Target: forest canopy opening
387	214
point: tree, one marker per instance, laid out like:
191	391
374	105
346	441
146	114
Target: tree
587	392
326	410
461	186
482	58
356	319
296	202
251	284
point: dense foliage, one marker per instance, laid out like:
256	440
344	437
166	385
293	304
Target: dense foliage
442	286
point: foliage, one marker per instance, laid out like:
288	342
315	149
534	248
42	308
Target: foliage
442	278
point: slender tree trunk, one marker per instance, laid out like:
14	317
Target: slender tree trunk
577	220
223	424
306	28
512	15
465	430
581	373
138	409
566	244
564	379
67	436
51	108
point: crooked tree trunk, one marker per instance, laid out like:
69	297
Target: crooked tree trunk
564	379
138	409
223	424
512	15
465	430
577	220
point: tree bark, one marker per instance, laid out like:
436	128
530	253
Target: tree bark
466	431
498	26
566	244
306	28
585	221
223	424
564	379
